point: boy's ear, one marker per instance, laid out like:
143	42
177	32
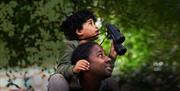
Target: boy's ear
79	32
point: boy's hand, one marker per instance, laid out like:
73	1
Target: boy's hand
81	65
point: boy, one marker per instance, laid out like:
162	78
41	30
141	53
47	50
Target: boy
78	28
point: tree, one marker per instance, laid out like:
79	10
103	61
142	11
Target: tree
30	30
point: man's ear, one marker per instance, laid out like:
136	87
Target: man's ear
79	32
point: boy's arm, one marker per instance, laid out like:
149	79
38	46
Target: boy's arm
64	63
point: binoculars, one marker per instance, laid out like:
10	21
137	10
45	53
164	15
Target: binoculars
117	37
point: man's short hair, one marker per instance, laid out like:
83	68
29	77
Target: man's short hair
82	52
74	22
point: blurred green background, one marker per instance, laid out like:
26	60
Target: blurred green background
29	34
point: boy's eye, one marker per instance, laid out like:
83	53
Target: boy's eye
91	22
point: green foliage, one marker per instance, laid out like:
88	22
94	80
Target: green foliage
4	53
29	33
30	30
151	30
152	34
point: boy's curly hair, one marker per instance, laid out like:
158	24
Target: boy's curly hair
74	22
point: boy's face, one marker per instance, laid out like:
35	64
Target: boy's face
100	65
89	30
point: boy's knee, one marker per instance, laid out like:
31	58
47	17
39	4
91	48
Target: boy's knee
57	82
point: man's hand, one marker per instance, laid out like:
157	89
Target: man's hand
113	52
81	65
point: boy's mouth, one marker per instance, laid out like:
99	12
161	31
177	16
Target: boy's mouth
97	33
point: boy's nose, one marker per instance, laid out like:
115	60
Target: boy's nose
95	27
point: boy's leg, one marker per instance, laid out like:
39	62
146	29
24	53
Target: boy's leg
57	82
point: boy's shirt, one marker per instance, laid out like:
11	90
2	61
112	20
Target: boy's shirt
64	62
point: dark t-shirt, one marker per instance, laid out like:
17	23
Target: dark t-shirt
103	87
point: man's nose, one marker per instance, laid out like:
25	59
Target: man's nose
107	59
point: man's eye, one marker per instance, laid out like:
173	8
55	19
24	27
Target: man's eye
100	55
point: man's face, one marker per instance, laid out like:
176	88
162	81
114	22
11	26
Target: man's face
89	30
99	63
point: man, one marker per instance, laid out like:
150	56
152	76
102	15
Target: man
100	67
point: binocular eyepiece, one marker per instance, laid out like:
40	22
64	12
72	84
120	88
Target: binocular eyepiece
117	37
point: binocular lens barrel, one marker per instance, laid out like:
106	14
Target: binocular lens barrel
118	39
120	49
113	31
